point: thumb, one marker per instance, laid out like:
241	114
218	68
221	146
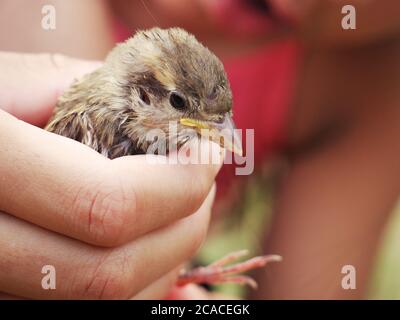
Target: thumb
31	83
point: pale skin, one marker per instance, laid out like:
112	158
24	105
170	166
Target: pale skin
94	219
24	18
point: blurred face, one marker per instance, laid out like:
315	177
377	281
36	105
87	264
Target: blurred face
319	21
234	24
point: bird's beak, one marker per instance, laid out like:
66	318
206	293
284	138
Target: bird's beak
222	133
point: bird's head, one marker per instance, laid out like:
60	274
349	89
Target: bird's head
168	76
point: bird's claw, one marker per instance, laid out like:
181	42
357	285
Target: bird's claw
219	272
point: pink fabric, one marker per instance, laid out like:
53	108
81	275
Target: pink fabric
262	85
121	32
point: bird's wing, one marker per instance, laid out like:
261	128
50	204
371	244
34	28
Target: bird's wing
76	125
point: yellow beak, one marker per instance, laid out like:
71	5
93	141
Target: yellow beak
222	133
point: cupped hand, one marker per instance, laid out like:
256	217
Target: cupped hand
111	228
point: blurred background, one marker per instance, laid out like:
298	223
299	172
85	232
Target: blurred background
318	81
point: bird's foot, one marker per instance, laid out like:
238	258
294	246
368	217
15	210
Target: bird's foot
218	272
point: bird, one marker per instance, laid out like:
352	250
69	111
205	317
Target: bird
156	77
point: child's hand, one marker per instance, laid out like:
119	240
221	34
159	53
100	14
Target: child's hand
109	227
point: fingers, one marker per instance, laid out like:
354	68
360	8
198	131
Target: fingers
31	83
84	271
164	193
67	187
159	289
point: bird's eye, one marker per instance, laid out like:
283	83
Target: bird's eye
177	101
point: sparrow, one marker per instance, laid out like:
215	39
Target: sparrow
156	77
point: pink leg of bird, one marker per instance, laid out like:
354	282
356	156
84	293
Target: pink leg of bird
219	272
